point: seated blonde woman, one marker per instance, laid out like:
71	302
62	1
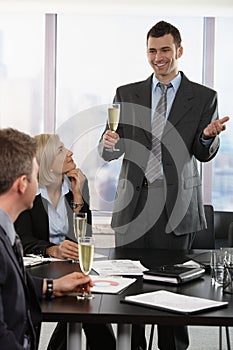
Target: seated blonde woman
47	228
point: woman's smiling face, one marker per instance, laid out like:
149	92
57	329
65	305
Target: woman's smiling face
63	161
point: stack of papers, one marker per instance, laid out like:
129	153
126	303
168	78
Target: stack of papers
29	261
118	267
32	260
110	272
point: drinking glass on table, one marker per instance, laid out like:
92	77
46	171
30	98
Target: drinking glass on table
80	224
113	120
217	263
86	255
228	270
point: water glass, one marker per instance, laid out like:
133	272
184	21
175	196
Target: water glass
217	263
228	272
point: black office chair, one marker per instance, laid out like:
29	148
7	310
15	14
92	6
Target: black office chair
230	235
204	239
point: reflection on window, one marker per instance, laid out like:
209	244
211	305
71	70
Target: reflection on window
222	193
95	55
21	72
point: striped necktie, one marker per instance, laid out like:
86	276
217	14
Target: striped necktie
18	249
154	166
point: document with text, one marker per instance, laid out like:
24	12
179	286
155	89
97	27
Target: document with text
118	267
169	301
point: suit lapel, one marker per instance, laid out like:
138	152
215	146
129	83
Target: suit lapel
143	99
10	252
182	103
143	93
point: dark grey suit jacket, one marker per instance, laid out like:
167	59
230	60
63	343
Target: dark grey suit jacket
16	297
194	107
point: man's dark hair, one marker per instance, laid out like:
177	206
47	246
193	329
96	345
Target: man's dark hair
17	151
162	28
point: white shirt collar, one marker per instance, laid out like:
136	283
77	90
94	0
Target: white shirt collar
7	226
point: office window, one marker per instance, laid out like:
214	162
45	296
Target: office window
21	71
223	162
95	54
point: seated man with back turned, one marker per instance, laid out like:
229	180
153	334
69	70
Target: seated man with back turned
18	290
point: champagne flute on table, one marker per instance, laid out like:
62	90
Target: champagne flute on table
80	225
86	255
113	120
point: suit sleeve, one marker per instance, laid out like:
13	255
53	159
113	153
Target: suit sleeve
210	113
7	336
108	156
86	207
32	227
13	300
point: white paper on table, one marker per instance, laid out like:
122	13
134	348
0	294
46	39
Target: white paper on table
110	284
33	260
190	263
118	267
29	261
99	256
169	301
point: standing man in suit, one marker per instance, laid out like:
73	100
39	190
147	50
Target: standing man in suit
18	290
160	206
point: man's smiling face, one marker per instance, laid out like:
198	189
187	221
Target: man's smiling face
163	56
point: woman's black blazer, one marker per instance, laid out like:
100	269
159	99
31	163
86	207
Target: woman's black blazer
33	225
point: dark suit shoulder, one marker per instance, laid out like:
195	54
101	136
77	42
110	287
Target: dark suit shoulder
135	86
136	93
196	86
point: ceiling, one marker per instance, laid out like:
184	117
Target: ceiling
169	7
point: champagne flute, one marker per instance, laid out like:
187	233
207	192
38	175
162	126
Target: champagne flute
86	255
80	226
113	120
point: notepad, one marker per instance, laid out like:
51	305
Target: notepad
175	274
169	301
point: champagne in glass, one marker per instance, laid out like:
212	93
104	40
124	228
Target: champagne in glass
113	120
86	255
80	224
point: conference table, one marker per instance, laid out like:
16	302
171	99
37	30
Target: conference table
108	308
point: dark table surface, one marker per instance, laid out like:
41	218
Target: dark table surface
109	308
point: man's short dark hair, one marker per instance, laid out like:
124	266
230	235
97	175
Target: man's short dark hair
162	28
17	151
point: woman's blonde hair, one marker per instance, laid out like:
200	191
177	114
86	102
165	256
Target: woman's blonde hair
47	147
